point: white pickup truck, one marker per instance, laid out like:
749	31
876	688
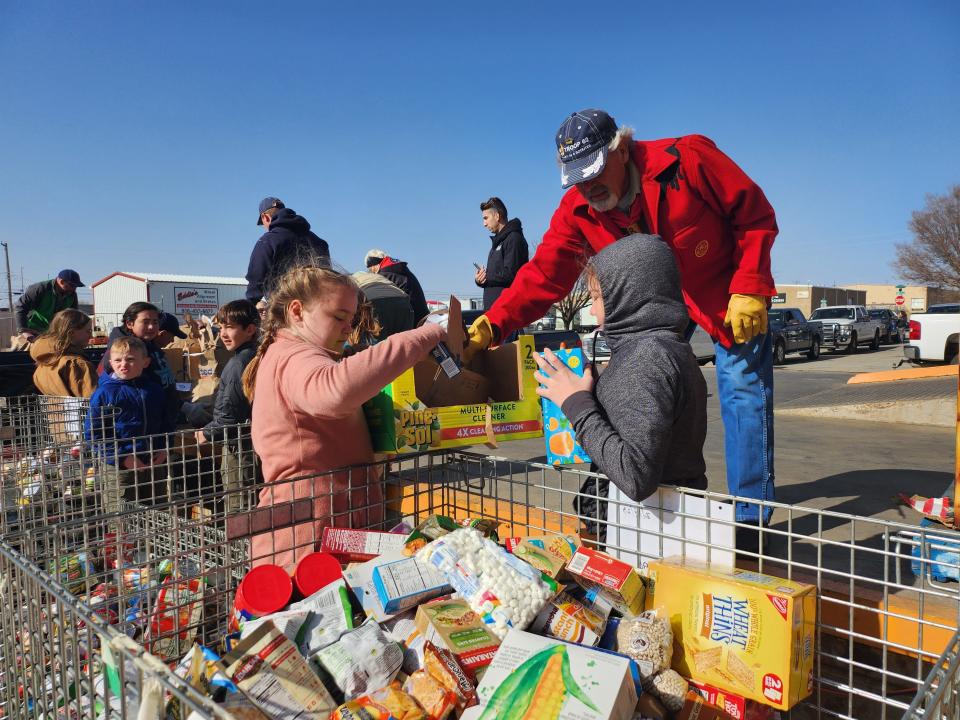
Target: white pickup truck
933	335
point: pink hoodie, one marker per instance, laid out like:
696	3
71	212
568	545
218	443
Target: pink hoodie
307	419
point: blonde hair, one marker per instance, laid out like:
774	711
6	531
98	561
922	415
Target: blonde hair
61	328
129	343
366	326
306	284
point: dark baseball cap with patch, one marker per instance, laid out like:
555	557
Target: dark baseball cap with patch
266	204
582	143
169	323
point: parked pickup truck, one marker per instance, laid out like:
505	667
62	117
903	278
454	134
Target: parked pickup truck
792	332
847	326
934	335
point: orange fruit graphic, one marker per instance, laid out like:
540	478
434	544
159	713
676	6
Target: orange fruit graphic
554	423
561	444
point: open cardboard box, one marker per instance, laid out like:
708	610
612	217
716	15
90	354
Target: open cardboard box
493	398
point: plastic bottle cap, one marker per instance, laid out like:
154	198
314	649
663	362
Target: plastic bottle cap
316	570
264	590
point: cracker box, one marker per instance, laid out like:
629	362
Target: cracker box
493	398
539	677
617	581
452	624
349	545
561	441
406	583
733	705
742	632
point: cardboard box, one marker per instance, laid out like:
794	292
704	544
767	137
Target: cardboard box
561	440
730	703
599	686
349	545
493	398
742	632
452	624
270	670
547	553
696	708
406	583
617	581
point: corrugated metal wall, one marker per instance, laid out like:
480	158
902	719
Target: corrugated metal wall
111	298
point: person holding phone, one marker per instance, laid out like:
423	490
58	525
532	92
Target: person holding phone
507	255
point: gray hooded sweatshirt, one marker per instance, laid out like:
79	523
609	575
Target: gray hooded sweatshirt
645	421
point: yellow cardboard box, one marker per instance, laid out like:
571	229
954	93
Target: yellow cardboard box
740	631
493	399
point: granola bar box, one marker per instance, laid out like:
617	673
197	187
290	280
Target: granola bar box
740	631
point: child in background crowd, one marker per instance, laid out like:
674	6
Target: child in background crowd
644	420
307	416
239	327
128	408
142	320
62	368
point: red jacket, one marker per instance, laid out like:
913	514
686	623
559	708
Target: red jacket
715	218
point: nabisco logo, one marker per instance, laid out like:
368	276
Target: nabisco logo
780	603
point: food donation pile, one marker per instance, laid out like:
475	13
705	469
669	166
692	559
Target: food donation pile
447	620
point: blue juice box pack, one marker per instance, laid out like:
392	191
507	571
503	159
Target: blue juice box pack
561	441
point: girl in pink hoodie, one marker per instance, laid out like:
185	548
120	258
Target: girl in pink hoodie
307	419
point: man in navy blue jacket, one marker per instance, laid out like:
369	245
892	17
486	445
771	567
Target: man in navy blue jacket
287	243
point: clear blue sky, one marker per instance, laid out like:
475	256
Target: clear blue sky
140	136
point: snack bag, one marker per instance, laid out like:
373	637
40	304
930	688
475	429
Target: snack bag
444	668
434	697
362	660
173	624
647	639
389	703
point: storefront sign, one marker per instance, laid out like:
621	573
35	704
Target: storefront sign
196	300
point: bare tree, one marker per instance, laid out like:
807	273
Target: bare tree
933	256
576	300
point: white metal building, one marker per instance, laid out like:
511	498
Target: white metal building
176	294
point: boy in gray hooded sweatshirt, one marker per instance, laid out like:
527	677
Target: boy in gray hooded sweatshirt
644	420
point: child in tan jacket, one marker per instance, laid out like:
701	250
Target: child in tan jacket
62	368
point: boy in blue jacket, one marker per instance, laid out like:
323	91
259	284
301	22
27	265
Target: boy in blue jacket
126	411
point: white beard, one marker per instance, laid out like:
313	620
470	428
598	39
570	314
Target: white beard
605	205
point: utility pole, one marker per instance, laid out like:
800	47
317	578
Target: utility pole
6	253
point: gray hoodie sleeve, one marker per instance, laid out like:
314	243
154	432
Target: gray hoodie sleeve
629	444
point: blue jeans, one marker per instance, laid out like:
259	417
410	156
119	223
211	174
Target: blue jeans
745	386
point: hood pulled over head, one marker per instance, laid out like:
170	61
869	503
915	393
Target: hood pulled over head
640	286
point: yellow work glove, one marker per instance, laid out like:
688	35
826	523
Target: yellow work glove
479	337
746	316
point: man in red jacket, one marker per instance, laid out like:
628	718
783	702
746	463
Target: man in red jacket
720	227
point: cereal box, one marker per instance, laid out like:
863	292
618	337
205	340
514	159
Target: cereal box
562	445
493	398
617	581
742	632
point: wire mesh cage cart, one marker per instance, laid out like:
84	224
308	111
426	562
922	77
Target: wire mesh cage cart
886	642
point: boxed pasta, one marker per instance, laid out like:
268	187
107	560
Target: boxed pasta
616	580
742	632
454	625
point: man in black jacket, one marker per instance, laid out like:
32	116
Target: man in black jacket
508	254
397	272
287	243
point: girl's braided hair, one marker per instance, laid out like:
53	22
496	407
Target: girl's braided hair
306	284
